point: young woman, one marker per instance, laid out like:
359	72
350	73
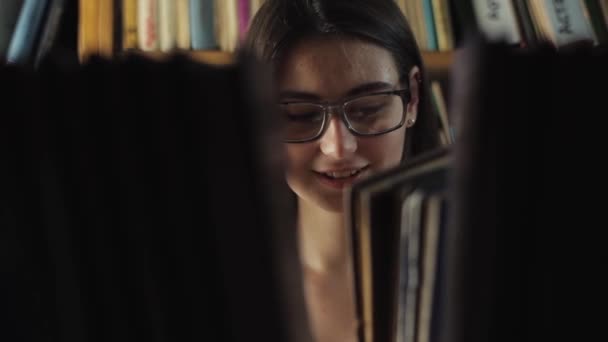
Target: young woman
353	98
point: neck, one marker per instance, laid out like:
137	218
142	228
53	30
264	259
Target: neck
323	240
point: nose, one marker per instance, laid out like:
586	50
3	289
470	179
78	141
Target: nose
337	141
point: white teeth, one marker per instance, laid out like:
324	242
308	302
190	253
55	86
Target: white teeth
341	174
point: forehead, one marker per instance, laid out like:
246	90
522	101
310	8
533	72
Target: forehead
329	67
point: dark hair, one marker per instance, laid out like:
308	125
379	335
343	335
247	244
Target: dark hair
281	23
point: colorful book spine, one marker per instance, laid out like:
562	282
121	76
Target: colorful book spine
23	41
105	29
167	23
183	24
147	25
50	30
595	16
202	32
9	12
497	20
569	22
443	25
244	16
429	25
129	24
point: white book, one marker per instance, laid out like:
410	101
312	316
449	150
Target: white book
167	23
497	20
569	22
147	25
226	25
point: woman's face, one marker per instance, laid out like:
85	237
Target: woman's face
330	70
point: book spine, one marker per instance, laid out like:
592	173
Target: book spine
129	24
600	26
443	25
147	25
9	12
227	28
183	24
244	15
167	15
21	47
106	27
51	27
429	25
419	22
497	21
524	17
202	21
604	6
568	21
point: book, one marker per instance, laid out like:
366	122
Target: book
497	20
148	35
129	24
9	12
118	209
380	212
22	47
183	24
468	242
167	24
203	24
517	189
50	30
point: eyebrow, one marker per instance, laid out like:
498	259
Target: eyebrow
358	90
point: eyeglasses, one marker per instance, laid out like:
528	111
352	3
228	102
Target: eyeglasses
367	115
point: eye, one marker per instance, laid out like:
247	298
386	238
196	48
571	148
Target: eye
302	112
367	107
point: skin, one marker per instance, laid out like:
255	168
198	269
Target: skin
330	69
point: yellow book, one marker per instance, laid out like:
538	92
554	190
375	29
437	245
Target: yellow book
183	24
88	41
105	28
129	24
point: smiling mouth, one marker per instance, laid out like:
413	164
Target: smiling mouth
341	175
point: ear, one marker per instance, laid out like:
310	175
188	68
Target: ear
414	80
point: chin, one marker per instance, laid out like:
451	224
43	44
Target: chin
331	205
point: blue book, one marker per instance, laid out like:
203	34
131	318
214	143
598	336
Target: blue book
429	25
202	30
9	12
22	46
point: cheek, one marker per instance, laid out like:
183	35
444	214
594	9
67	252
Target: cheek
299	157
386	150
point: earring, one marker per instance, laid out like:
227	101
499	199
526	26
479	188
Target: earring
410	122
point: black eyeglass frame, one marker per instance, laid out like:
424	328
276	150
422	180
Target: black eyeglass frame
403	93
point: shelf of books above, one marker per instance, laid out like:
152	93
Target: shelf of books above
433	59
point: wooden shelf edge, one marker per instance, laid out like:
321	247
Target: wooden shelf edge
432	59
205	56
438	60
